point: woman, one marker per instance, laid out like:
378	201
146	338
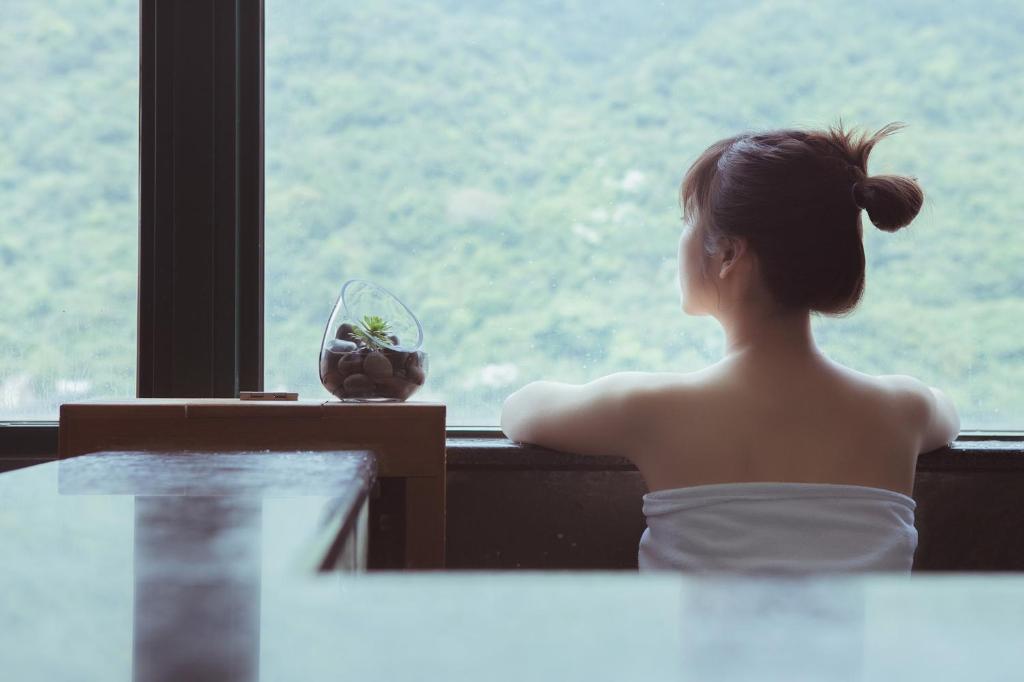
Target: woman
775	458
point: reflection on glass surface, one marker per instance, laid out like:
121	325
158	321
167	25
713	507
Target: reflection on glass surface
155	566
197	587
62	556
511	173
803	628
204	572
68	202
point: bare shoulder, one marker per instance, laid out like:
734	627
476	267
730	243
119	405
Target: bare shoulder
928	408
911	395
648	382
676	401
649	389
639	392
899	393
656	404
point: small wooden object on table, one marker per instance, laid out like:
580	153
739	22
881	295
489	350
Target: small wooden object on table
408	439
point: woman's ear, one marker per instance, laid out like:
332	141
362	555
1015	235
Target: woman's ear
733	251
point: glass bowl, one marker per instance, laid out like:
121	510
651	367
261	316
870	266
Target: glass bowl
372	346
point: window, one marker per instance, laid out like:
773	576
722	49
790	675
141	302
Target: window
68	203
512	174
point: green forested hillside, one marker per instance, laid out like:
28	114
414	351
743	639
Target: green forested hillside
68	202
511	171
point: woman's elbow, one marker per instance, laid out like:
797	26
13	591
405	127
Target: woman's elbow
508	421
943	422
515	415
948	416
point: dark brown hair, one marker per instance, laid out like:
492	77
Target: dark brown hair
796	196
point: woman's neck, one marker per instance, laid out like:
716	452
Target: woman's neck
783	335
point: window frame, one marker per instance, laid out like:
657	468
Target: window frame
201	221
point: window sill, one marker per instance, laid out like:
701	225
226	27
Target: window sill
489	449
28	439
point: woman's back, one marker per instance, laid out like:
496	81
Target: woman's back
780	463
800	418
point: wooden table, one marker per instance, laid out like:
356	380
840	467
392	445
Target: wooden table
407	438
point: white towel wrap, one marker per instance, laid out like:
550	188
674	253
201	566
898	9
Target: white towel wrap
778	527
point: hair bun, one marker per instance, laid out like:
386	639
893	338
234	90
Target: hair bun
892	201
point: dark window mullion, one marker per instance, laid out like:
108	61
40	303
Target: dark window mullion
224	260
201	176
250	65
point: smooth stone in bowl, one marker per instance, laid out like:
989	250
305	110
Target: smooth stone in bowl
394	387
357	384
415	374
377	366
332	380
339	346
350	363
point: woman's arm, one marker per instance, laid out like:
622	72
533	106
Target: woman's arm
944	425
936	414
603	417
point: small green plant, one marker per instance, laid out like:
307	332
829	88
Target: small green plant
373	330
